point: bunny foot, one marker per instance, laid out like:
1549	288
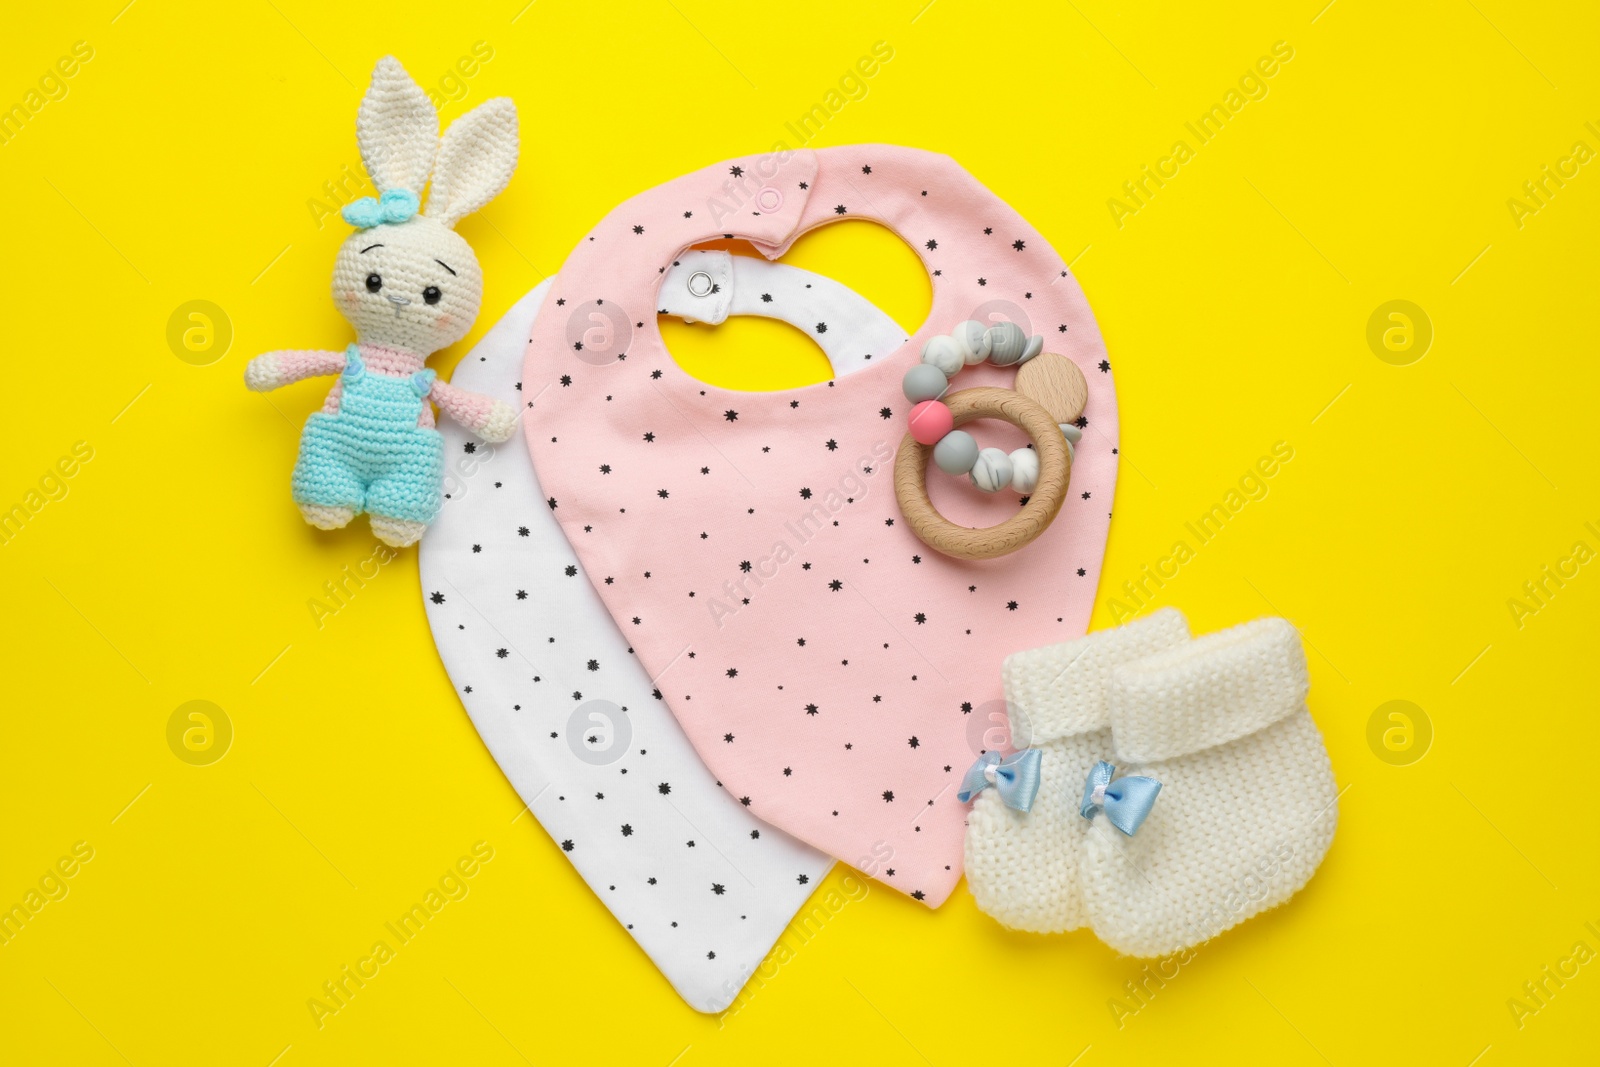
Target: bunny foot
325	518
500	424
397	533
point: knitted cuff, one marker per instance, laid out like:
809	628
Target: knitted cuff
1207	692
1061	690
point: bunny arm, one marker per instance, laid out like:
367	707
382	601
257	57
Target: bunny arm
493	420
275	369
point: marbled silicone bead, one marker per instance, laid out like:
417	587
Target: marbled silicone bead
992	472
972	338
941	352
1024	470
931	423
1006	342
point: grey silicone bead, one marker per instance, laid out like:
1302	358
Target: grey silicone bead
956	452
1073	436
1007	342
924	382
973	341
942	352
992	472
1024	470
1035	346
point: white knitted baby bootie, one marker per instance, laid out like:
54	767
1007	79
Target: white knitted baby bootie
1247	804
1023	867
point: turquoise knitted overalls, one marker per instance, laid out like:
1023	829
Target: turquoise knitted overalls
371	455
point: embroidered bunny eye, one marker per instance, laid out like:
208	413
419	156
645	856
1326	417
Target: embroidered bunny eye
374	283
431	294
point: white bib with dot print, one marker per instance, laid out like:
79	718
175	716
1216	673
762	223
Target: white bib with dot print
701	884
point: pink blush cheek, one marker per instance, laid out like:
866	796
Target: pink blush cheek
349	297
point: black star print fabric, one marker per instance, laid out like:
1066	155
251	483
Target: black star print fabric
925	638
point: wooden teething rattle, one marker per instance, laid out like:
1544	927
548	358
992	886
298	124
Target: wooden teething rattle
1049	397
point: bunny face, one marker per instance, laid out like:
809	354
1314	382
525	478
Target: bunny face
413	285
409	281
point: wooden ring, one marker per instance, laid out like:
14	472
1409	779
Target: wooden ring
965	542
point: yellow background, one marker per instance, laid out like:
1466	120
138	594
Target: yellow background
1234	304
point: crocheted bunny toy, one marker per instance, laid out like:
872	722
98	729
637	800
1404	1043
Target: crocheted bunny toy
410	286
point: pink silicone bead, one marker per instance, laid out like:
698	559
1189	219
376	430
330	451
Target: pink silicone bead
931	420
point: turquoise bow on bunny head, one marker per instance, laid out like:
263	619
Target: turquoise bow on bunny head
1015	778
395	205
1126	801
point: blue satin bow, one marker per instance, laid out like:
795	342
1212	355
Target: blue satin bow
395	205
1015	778
1125	801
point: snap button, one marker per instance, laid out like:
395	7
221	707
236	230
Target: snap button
769	199
700	284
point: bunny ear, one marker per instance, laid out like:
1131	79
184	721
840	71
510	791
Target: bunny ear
476	159
397	129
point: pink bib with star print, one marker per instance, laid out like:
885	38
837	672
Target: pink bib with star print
836	674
